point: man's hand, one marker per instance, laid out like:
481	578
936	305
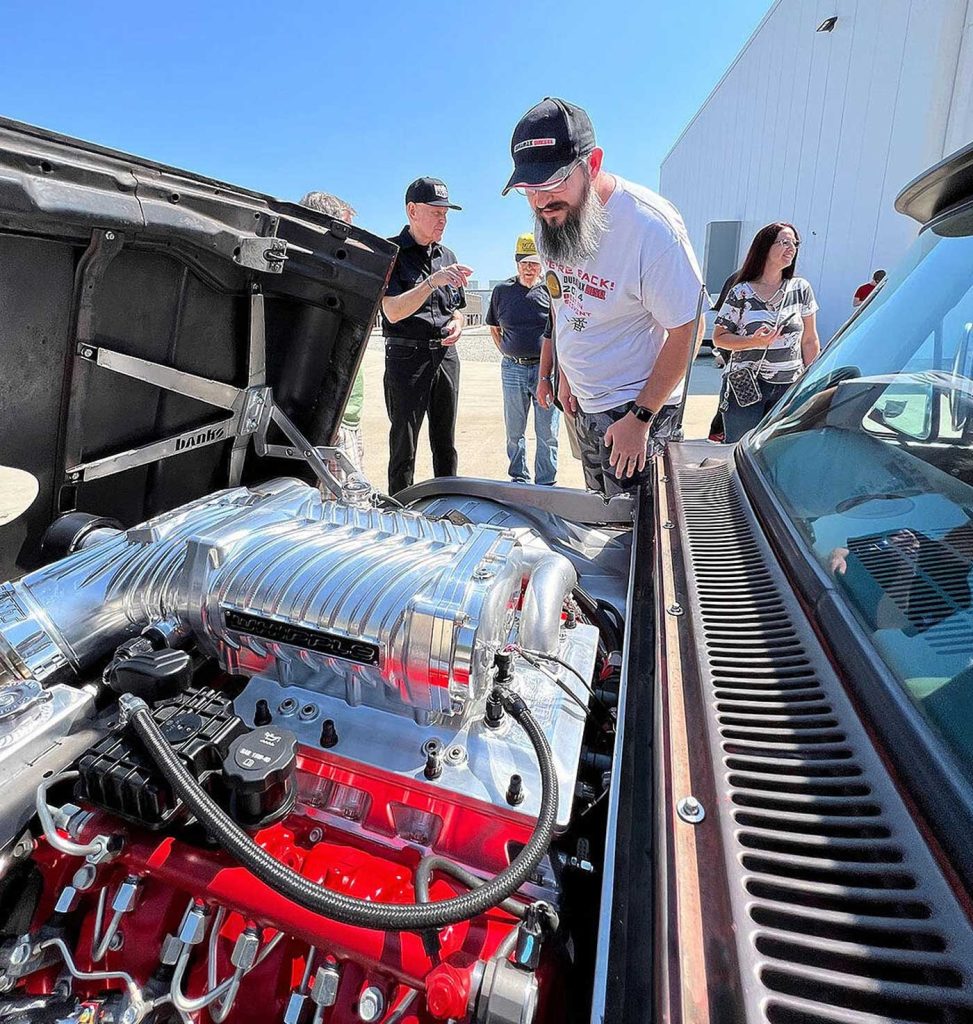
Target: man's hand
456	324
628	439
838	561
456	274
545	394
565	396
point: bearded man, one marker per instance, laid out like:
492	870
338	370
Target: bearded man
624	284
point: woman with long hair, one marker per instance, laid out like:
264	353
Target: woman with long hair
768	324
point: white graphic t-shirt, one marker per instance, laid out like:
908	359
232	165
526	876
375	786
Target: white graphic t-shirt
612	311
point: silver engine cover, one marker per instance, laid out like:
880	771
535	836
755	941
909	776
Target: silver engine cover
388	608
337	613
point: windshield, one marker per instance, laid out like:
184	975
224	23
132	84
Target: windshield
872	456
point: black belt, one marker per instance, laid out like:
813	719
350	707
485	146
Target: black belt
415	342
524	360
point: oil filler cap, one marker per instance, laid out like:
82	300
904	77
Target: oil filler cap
260	776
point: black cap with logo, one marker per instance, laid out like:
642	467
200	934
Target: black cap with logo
430	191
547	140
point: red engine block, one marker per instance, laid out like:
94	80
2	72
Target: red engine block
353	844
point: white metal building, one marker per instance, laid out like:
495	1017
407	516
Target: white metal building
822	129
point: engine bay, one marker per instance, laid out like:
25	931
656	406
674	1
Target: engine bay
341	763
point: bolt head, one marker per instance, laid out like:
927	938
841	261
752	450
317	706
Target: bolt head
371	1005
110	236
315	835
84	877
690	810
20	954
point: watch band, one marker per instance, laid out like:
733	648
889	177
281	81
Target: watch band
643	413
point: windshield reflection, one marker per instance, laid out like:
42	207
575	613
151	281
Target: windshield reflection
872	456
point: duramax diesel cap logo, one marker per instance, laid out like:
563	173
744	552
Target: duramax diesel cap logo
346	648
534	143
441	191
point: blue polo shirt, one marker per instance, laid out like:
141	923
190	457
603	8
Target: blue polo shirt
521	314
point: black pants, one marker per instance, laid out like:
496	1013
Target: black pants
420	380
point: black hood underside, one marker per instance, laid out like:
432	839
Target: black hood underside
115	270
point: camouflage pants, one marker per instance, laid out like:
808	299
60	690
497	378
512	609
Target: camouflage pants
596	455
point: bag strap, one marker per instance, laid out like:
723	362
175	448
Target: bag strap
780	309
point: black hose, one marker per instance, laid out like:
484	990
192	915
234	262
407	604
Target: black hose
433	862
602	614
383	500
347	909
39	1009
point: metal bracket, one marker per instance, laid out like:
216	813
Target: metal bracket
252	411
265	254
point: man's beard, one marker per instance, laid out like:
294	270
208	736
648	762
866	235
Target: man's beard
578	238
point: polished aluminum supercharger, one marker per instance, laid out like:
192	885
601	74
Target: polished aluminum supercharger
386	623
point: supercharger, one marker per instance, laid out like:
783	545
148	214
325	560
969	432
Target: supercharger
372	632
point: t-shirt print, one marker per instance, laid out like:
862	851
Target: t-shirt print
613	311
744	313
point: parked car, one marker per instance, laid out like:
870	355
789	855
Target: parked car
279	748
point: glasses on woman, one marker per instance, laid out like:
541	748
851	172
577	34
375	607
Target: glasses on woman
787	243
555	184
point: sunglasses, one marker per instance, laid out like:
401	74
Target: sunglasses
555	184
786	243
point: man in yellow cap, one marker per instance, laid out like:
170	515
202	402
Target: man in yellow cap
517	318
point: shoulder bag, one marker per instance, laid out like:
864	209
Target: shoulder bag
743	382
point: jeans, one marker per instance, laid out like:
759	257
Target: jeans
421	380
519	388
738	419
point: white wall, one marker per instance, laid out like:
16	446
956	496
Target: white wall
824	129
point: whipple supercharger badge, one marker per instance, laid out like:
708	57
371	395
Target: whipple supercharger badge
359	651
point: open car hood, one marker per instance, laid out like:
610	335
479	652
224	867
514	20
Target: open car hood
145	312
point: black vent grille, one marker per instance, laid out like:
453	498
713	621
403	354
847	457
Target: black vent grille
926	575
840	909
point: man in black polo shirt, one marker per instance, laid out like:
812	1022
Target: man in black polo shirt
422	320
518	318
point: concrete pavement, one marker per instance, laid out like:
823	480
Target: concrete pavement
479	430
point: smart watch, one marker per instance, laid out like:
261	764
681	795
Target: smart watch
643	413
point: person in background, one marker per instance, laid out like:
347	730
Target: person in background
517	318
349	432
768	324
624	286
867	288
422	319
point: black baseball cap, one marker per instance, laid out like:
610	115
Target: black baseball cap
547	140
430	191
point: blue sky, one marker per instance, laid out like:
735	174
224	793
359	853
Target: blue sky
360	98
